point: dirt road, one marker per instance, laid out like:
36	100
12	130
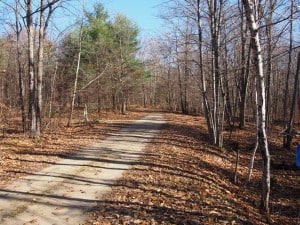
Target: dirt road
62	193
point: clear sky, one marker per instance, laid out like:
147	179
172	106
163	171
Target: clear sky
143	12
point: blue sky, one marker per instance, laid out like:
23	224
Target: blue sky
143	12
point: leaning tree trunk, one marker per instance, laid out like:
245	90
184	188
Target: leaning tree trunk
76	78
251	11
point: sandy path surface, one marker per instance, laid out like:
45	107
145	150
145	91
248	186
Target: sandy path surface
62	193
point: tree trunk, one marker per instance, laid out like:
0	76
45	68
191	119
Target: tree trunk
20	74
52	92
251	164
99	100
269	32
215	11
226	90
243	81
85	114
36	74
207	111
286	91
123	103
251	11
76	77
293	107
180	83
186	70
32	82
40	71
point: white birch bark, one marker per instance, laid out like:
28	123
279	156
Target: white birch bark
76	78
251	13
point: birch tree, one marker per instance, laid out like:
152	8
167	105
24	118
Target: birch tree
76	74
251	14
215	11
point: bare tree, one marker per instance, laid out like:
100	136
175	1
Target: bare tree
76	74
215	10
286	143
31	66
251	14
270	47
290	129
36	78
20	71
244	76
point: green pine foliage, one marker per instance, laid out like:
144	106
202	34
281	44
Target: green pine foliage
109	44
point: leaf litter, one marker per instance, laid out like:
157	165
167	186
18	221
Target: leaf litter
182	179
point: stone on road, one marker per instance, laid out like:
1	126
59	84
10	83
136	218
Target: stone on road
62	193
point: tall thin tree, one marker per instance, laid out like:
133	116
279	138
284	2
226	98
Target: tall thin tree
251	14
20	70
31	68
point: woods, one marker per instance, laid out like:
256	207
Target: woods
232	62
240	58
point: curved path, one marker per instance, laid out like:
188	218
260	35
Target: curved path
62	193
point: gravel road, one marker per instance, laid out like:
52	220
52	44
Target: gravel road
62	193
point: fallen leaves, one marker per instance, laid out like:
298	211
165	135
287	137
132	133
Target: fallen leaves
20	155
183	180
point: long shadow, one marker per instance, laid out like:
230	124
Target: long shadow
187	136
162	213
168	169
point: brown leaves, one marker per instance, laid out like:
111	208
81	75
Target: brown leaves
182	180
20	155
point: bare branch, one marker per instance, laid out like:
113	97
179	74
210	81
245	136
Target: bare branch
93	80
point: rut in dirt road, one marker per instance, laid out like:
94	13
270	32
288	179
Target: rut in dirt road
62	193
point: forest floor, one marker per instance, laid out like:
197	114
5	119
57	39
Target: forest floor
20	154
64	191
181	179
